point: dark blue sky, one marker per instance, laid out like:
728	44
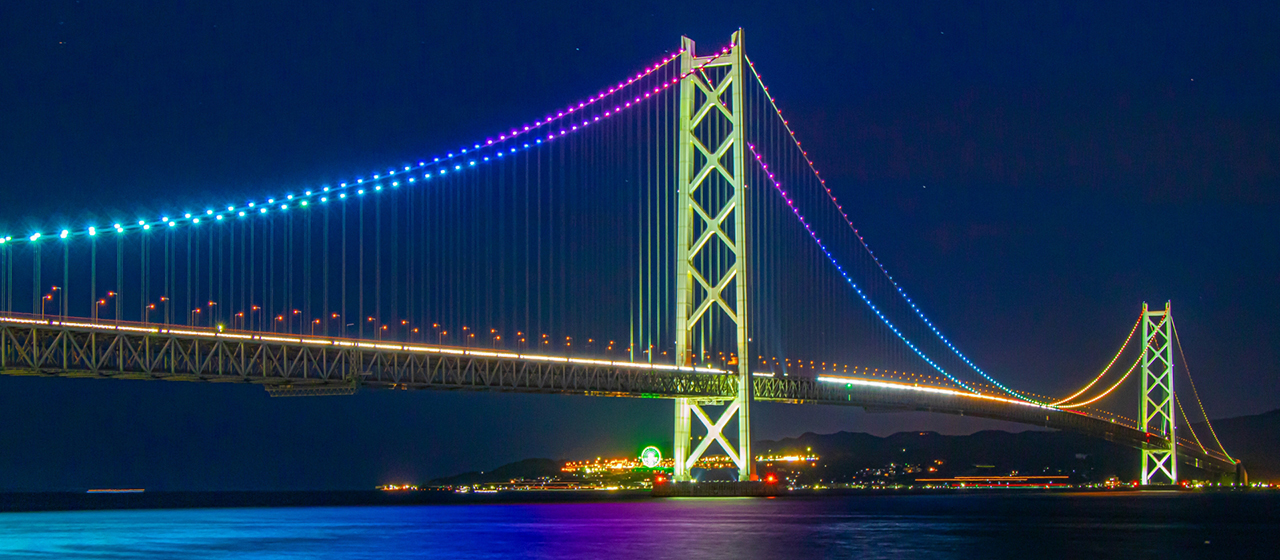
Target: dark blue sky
1030	172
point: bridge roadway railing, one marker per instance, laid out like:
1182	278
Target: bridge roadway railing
312	365
293	364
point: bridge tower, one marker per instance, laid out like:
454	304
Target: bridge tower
1158	464
711	243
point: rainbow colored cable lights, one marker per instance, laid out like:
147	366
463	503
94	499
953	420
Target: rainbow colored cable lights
791	204
840	209
438	166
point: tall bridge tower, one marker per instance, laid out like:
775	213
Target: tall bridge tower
1160	465
711	250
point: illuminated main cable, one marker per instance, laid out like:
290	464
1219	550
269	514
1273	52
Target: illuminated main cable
439	166
1195	393
1109	389
1106	369
840	209
1178	401
778	187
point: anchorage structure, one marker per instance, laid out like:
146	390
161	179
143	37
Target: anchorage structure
1156	412
711	250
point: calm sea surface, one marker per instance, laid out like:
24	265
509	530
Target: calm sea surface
1023	526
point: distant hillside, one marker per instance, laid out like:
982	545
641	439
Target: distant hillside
1254	440
526	469
984	453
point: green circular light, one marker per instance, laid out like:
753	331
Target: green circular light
650	457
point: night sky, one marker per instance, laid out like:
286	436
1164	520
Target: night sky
1030	172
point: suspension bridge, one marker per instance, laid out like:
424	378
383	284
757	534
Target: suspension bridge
668	237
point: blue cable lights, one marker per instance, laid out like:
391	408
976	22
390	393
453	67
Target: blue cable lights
441	167
871	253
790	204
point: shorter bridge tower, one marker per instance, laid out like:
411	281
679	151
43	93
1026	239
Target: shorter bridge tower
1159	464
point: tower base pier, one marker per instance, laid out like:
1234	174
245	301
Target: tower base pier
718	489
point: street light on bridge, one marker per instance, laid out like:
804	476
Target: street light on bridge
46	298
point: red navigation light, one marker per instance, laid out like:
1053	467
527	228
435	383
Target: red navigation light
770	478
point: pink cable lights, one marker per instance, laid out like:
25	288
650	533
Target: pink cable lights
791	204
438	165
883	270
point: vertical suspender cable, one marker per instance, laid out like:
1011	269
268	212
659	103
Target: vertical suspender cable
346	314
35	277
378	315
326	311
360	267
66	277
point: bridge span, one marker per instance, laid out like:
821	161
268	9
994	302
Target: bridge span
679	199
301	365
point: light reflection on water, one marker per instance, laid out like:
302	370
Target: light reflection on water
939	527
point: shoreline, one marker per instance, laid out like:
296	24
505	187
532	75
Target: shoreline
18	502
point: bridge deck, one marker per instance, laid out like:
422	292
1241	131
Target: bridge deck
294	364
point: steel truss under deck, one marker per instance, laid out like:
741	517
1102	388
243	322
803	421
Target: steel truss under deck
307	366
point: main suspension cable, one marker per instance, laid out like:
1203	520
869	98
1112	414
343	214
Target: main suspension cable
1106	369
1195	393
866	247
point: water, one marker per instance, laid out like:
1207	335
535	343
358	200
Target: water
1023	526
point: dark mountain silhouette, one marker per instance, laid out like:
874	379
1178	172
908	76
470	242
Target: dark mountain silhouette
1253	440
526	469
845	455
